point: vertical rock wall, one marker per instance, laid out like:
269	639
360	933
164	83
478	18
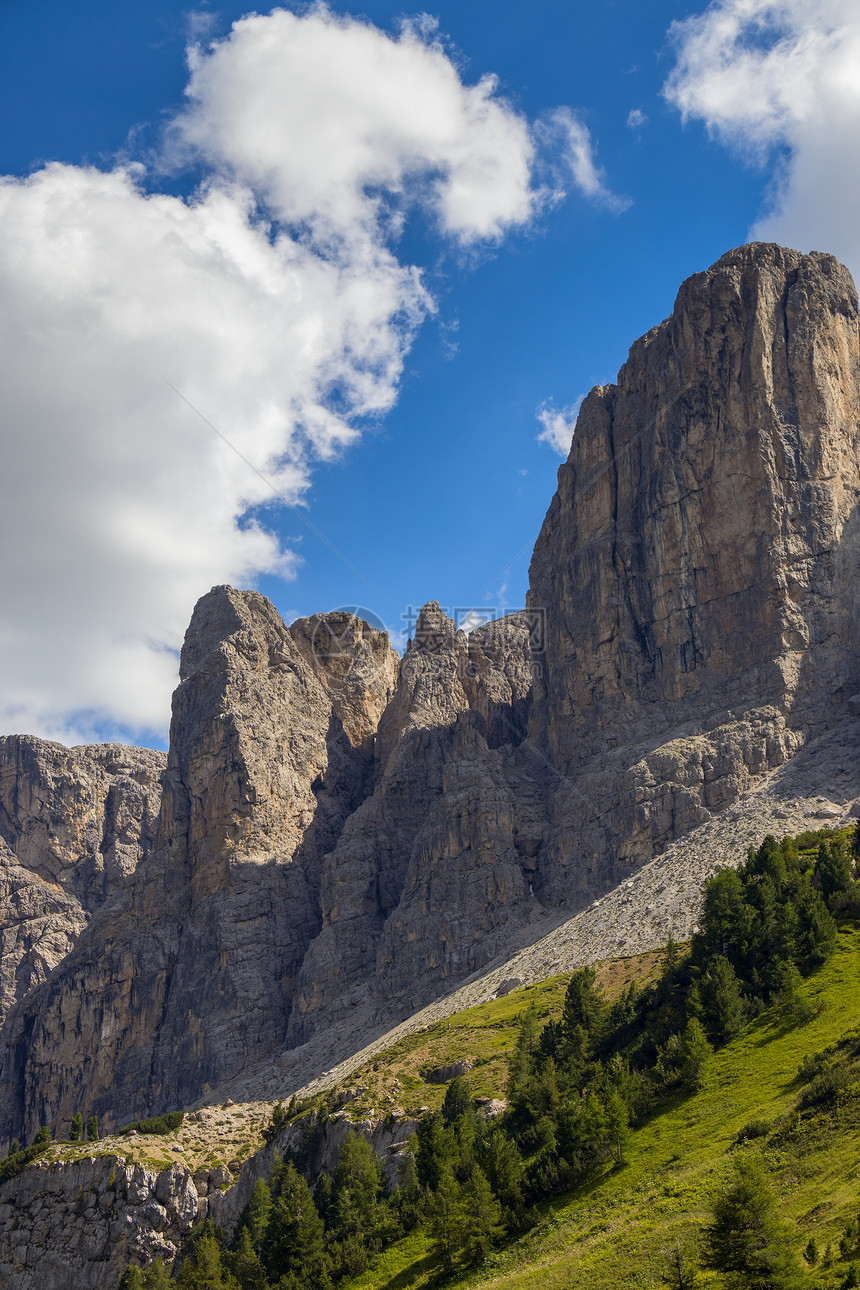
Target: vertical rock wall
341	829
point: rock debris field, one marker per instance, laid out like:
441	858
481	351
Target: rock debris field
819	788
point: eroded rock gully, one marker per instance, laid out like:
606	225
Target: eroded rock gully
339	836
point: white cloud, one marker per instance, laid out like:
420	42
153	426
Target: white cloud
473	619
636	118
781	77
577	152
558	425
322	114
118	506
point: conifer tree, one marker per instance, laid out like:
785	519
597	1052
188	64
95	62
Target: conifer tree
581	1015
444	1222
255	1216
479	1218
93	1129
294	1241
132	1279
203	1268
457	1100
617	1125
833	869
855	843
747	1239
76	1127
504	1169
245	1263
680	1271
157	1277
694	1053
356	1188
722	1002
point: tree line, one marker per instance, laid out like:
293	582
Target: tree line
577	1087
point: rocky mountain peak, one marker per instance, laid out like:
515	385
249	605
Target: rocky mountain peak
433	629
702	542
343	834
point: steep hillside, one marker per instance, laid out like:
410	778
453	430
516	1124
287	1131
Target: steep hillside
620	1228
345	847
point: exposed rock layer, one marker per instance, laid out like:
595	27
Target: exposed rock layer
697	566
341	831
74	825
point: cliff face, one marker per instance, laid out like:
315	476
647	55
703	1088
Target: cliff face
428	871
74	825
697	566
187	974
340	829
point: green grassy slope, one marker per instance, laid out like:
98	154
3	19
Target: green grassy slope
484	1034
614	1231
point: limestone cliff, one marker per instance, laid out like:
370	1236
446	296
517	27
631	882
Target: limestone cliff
698	565
187	974
344	834
74	825
428	870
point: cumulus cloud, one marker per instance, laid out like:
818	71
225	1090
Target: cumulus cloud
779	79
636	118
119	506
272	299
558	425
339	126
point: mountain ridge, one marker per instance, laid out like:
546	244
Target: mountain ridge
341	833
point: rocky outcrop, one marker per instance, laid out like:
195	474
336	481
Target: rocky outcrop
74	825
188	974
317	1140
697	566
346	835
431	871
81	1223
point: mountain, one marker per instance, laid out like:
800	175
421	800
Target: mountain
340	836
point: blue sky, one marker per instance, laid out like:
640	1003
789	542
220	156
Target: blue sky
422	463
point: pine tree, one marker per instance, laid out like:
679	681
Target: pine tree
833	869
680	1272
356	1189
726	921
157	1277
746	1238
617	1122
722	1003
583	1010
93	1129
255	1216
694	1054
522	1058
855	842
76	1127
444	1222
479	1217
204	1269
245	1264
458	1100
294	1241
436	1152
504	1169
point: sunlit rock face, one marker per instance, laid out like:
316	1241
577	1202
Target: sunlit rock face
339	832
697	566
